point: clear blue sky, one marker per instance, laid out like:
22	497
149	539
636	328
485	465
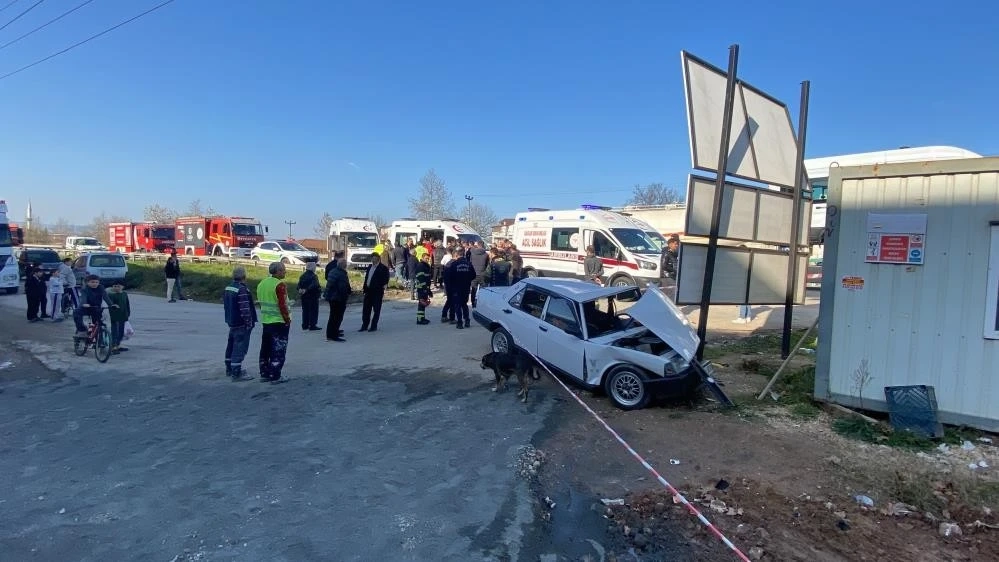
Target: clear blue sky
285	109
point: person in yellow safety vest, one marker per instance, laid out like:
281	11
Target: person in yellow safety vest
275	316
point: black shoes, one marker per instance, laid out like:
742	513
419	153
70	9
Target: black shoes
363	329
422	322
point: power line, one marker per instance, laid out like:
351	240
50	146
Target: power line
9	4
43	26
18	16
87	40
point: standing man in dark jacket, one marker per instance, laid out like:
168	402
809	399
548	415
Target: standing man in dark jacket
375	279
479	259
400	255
439	251
34	291
309	290
172	272
337	292
516	262
499	270
241	316
462	276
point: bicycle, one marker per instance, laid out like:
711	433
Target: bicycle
67	303
98	336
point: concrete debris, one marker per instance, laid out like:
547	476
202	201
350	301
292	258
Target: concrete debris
968	446
864	501
950	529
615	501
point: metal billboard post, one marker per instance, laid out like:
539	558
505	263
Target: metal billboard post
792	266
709	266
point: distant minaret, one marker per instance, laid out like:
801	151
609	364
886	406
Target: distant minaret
27	217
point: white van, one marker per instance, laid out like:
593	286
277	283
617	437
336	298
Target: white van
84	244
553	244
447	230
356	237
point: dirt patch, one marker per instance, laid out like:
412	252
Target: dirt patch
791	478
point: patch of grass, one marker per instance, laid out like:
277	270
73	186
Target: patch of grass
880	434
767	343
805	410
205	282
928	492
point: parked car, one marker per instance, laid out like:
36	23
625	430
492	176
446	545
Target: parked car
631	345
813	276
47	259
283	251
109	266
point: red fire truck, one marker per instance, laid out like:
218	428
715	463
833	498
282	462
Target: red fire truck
218	236
128	237
16	234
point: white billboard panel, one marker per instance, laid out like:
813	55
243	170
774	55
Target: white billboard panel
748	214
762	145
742	276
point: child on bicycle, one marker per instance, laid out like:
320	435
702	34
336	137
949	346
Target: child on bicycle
92	297
119	313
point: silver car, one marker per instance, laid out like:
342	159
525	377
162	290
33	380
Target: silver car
630	344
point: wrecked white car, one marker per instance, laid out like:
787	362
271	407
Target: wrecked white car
632	345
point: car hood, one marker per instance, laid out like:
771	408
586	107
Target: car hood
657	313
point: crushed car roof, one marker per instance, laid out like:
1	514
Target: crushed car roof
575	289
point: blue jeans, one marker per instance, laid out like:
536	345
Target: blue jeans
235	348
400	273
117	333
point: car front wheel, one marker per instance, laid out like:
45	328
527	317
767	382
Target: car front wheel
625	385
501	342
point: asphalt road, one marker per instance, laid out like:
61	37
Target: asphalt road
388	447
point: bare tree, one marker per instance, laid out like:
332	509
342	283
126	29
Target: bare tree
99	226
194	209
434	200
159	213
37	234
62	227
481	218
654	194
322	229
379	220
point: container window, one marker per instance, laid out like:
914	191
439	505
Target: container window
992	297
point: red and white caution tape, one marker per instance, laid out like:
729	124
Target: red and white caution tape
677	496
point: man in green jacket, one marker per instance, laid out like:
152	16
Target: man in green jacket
275	316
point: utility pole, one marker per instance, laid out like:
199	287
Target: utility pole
468	213
290	223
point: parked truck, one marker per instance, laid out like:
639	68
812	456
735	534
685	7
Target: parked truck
9	276
128	237
16	234
218	236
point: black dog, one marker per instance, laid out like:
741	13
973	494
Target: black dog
505	365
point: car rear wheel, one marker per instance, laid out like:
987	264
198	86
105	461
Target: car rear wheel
501	341
625	385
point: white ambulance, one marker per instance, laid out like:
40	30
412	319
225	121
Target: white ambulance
553	244
447	230
356	237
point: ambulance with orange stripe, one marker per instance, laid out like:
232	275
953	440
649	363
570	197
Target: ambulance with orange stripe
553	244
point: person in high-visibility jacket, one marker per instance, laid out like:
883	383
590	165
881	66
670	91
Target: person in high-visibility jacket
275	316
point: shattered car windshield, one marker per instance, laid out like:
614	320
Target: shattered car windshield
608	315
